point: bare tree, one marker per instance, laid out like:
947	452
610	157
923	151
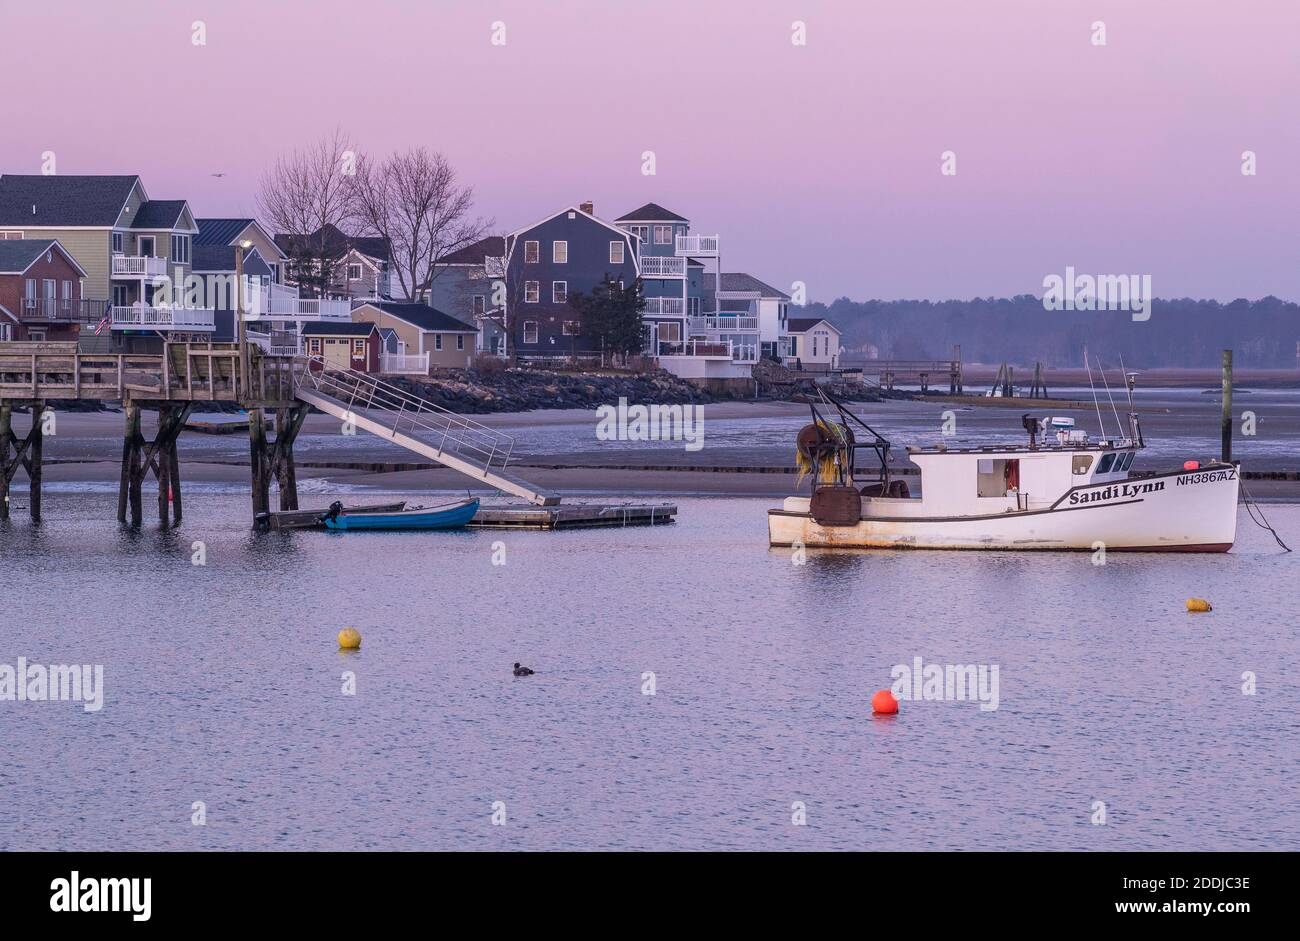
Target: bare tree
306	194
413	202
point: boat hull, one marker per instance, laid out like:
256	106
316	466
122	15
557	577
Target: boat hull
450	517
1184	511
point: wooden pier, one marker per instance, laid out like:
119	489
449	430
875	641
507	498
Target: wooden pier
182	375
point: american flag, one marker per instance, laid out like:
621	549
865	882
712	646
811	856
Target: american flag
103	323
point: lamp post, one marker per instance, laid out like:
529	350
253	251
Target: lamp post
241	337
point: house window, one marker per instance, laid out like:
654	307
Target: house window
640	231
437	341
354	272
531	252
572	328
560	253
559	292
532	291
358	349
616	252
117	243
36	336
663	235
181	249
480	304
67	290
670	332
315	344
460	341
530	331
693	306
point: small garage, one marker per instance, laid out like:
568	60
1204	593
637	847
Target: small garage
344	345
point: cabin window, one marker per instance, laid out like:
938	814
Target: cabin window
996	477
531	252
1106	461
1124	461
616	253
1082	464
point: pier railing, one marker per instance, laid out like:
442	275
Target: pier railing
412	415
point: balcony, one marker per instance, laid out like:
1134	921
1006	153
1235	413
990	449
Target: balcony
283	303
704	349
138	266
39	310
701	246
663	266
724	321
187	319
665	306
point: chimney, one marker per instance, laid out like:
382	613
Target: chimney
588	207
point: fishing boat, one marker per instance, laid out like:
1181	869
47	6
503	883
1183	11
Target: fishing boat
444	516
1060	490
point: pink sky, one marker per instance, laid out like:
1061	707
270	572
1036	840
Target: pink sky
817	163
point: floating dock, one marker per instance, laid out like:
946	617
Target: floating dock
515	516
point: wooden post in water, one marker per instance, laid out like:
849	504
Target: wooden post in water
37	437
257	462
1226	422
6	433
131	429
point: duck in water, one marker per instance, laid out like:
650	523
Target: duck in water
522	671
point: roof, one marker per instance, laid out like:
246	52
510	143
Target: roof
494	246
17	255
222	258
337	328
158	214
739	281
651	212
63	200
422	316
337	242
804	324
220	231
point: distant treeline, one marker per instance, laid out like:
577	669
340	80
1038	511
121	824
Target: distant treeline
1182	332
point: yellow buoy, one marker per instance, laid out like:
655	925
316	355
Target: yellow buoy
1198	604
350	638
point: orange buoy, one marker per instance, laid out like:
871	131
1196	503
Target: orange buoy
884	703
1199	604
1191	465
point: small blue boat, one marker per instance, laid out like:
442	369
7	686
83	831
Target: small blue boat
445	516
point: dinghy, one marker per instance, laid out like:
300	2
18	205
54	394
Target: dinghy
444	516
1063	492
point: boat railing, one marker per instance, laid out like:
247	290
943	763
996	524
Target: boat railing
412	414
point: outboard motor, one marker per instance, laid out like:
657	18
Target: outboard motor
333	513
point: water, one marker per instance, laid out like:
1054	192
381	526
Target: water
223	686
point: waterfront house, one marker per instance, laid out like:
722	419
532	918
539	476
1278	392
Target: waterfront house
463	287
814	344
743	296
215	265
124	241
545	262
428	339
227	233
360	264
40	292
693	329
352	345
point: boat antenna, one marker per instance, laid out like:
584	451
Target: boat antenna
1135	432
1101	426
1119	426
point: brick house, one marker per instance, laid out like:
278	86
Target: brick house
40	292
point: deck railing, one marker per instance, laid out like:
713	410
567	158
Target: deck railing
138	266
408	363
663	266
665	306
412	415
61	310
703	245
140	317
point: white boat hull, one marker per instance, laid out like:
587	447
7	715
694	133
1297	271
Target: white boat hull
1182	511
